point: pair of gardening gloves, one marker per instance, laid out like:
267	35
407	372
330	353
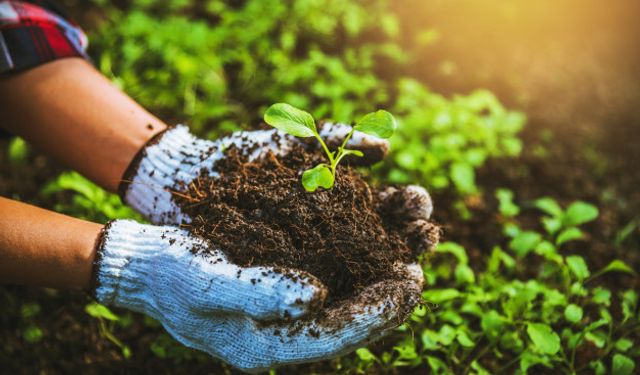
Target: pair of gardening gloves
208	303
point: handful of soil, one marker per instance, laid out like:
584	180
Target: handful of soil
259	214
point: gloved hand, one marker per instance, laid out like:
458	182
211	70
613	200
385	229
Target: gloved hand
240	315
176	157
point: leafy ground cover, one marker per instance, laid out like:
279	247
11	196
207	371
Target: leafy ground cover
538	269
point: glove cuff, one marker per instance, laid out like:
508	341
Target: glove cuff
124	263
172	158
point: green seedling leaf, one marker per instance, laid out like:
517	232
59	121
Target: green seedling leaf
573	313
524	242
318	176
529	359
507	207
380	124
548	205
18	150
578	266
617	266
365	355
32	334
492	324
569	234
100	311
598	367
624	344
463	177
463	339
346	152
601	296
579	213
290	120
597	338
544	339
455	249
464	274
622	365
440	295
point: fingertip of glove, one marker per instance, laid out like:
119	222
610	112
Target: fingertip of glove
309	294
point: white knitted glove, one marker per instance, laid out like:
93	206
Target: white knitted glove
181	281
177	157
209	304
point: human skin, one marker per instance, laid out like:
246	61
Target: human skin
69	111
44	248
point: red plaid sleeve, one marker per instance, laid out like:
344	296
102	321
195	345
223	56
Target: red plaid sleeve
31	35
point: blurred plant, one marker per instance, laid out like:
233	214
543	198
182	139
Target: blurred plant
18	150
442	142
106	323
515	313
89	201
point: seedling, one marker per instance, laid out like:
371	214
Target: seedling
299	123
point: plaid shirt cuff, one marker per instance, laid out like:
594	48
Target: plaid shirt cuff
31	35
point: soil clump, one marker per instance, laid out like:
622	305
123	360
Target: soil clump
259	214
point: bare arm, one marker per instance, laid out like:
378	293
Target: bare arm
67	109
43	248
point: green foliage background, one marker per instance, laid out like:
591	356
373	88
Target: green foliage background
216	65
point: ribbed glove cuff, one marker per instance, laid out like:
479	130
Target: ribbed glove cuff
174	157
124	263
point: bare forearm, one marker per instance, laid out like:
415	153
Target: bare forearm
70	111
43	248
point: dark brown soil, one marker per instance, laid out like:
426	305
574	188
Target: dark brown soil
259	214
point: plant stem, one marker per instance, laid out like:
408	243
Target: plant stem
325	148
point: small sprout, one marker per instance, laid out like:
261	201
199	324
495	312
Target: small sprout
299	123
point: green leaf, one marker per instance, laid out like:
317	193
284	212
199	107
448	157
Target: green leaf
464	274
629	303
598	338
544	339
32	334
346	152
436	365
573	313
365	355
524	242
446	335
529	359
100	311
617	266
601	296
551	225
18	150
463	338
578	266
380	124
440	295
492	324
507	207
290	120
318	176
622	365
429	339
455	249
579	213
569	234
598	367
463	177
548	205
624	344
